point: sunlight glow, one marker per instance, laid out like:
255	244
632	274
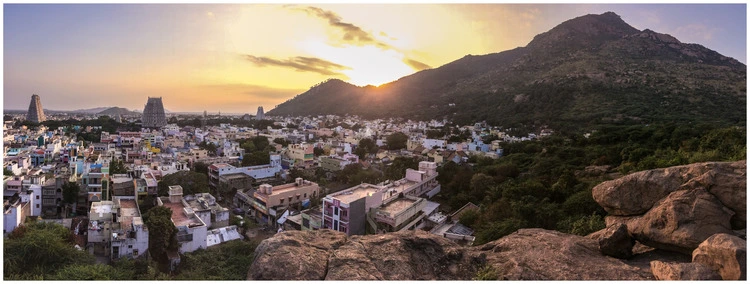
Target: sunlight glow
369	65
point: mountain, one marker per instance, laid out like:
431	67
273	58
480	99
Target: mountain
117	110
91	110
591	70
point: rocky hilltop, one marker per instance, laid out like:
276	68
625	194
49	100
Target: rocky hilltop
594	69
678	223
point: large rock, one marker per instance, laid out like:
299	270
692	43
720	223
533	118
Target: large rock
529	254
615	241
637	193
330	255
724	253
412	255
682	271
295	255
537	254
679	222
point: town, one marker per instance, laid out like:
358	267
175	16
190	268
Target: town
225	181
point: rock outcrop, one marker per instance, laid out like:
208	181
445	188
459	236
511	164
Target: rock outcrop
658	220
528	254
682	271
615	241
331	255
724	253
537	254
677	208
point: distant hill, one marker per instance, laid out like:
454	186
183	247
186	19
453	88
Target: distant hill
117	110
591	70
91	110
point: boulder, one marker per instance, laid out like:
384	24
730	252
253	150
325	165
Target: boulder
615	241
679	222
537	254
724	253
682	271
409	255
637	193
295	255
330	255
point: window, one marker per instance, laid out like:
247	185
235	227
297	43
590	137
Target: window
335	211
305	194
281	200
130	246
37	206
135	252
37	197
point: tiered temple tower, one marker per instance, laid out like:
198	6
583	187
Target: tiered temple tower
153	114
260	115
36	113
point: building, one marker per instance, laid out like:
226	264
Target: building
269	202
260	115
36	112
15	211
335	163
211	213
355	210
301	153
312	219
129	234
346	211
153	113
191	230
256	172
400	214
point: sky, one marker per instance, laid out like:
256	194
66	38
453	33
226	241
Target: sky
235	57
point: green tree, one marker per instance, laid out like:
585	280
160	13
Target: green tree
7	172
256	158
227	261
397	169
93	272
162	234
365	146
200	167
40	249
190	181
70	192
396	141
281	141
117	167
317	151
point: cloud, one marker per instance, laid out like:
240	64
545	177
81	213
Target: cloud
253	91
352	33
416	65
301	63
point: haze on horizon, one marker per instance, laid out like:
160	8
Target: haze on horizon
236	57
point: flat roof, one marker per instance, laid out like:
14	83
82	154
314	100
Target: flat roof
291	186
179	218
128	210
354	193
397	205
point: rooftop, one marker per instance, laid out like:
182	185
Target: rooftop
128	211
179	218
354	193
397	205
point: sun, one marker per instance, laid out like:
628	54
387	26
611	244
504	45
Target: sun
368	65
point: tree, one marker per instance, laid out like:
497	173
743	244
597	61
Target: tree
70	192
366	146
7	172
162	234
397	169
200	167
256	158
228	261
283	142
40	249
317	151
396	141
117	167
190	181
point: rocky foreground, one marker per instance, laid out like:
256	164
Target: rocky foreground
678	223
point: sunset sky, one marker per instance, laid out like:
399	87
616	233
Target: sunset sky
233	58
